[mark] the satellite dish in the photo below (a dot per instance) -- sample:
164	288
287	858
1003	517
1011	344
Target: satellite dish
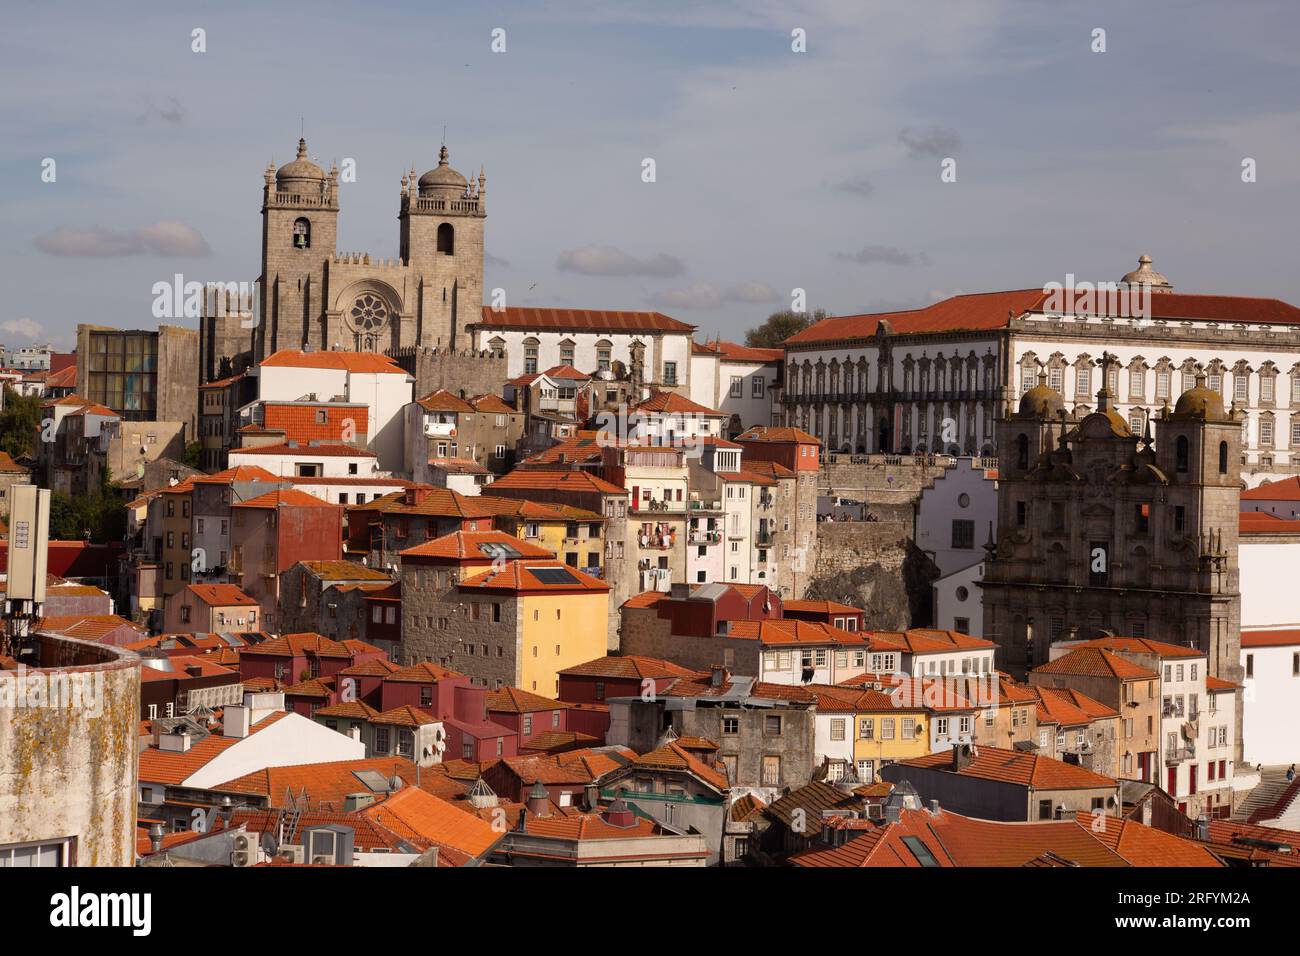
395	783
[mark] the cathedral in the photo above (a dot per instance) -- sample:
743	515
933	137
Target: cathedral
311	296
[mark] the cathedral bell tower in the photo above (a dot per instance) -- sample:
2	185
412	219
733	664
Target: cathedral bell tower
300	213
441	220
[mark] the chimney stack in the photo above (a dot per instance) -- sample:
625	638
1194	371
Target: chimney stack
717	675
539	801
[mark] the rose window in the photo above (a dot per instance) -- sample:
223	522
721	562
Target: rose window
369	312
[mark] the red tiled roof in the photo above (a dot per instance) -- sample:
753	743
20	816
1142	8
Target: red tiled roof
491	404
344	571
672	403
328	784
444	401
1095	662
515	317
1284	489
1142	645
1014	766
821	607
1279	637
790	631
414	811
174	767
732	352
321	449
1140	845
1066	707
1261	522
993	310
476	547
240	473
513	700
521	576
575	482
355	362
300	644
221	595
672	756
780	435
630	666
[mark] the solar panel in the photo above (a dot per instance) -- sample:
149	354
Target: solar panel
553	576
373	779
498	549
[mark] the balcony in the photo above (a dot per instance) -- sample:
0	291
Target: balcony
705	537
1179	754
763	538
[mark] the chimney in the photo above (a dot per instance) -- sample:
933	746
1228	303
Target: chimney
934	808
1203	828
961	757
155	838
619	814
194	670
234	721
591	796
539	801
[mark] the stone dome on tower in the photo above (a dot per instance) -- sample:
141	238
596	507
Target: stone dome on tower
1042	401
300	174
442	177
1145	275
1201	402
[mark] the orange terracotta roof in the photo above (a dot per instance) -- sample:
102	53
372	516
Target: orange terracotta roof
515	317
672	756
412	810
328	784
513	700
444	401
87	627
1283	489
442	502
631	667
822	607
285	498
1140	845
422	673
1142	645
240	473
1066	707
477	546
321	450
491	404
993	310
733	352
1095	662
300	644
1261	522
1014	766
175	767
355	362
674	404
790	631
779	435
576	482
221	595
540	576
405	716
1279	637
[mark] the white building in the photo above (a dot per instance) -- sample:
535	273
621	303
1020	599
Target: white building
957	514
362	377
1268	549
737	380
1280	498
957	604
1271	708
589	340
312	460
936	378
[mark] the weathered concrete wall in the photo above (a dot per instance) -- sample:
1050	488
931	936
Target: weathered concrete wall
878	479
70	771
876	566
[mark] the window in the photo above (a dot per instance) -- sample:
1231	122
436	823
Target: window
737	386
1162	385
887	728
963	533
758	386
1223	457
771	770
301	234
670	373
772	726
730	725
1182	454
1240	388
1266	388
1266	431
49	854
837	728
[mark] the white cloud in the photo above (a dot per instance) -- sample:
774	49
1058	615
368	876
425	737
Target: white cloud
609	261
27	328
167	237
701	295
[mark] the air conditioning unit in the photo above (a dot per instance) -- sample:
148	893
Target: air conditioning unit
245	850
294	853
322	859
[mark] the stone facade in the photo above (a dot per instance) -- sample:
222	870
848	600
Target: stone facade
1100	530
312	296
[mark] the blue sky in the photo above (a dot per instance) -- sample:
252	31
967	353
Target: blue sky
775	169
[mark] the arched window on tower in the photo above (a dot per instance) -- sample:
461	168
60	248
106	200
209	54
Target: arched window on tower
1223	457
301	234
446	239
1181	454
1022	452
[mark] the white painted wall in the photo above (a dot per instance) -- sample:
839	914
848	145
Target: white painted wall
962	493
1271	705
289	742
950	605
1268	582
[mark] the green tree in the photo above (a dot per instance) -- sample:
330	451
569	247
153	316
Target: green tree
194	453
20	423
780	326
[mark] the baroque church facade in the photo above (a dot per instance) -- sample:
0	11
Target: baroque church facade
1105	531
312	296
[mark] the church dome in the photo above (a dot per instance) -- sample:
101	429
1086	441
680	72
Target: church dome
301	174
442	176
1145	275
1200	402
1042	401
